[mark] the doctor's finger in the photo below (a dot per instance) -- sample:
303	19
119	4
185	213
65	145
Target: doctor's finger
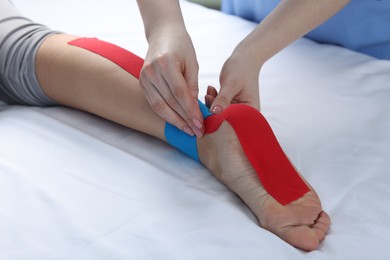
184	96
163	109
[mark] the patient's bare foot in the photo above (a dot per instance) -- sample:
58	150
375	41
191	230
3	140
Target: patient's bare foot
302	223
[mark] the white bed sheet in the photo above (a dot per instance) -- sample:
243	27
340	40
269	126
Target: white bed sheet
74	186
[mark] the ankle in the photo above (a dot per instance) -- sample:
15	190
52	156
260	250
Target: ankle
207	152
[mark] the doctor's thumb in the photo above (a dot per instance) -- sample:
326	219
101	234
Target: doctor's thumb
221	101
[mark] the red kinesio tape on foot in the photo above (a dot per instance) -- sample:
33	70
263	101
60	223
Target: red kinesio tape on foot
123	58
257	139
263	151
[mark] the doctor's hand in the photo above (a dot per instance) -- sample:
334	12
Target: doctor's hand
239	81
169	79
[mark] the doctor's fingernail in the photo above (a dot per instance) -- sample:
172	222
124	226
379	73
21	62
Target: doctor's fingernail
197	123
216	110
188	131
198	133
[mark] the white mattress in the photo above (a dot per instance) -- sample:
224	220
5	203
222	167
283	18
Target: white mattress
75	186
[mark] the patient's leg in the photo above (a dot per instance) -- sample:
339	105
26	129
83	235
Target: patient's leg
80	79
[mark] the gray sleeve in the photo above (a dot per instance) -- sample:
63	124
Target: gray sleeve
20	39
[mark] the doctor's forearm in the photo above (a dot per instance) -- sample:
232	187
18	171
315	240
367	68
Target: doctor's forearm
160	16
290	20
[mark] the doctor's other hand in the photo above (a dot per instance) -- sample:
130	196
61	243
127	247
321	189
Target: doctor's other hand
239	81
169	79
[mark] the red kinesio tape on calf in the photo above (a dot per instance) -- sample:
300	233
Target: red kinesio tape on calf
263	151
257	139
123	58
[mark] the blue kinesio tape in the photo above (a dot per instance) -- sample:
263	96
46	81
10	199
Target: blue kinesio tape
182	141
205	110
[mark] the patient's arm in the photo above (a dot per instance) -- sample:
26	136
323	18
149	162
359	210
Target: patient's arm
80	79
